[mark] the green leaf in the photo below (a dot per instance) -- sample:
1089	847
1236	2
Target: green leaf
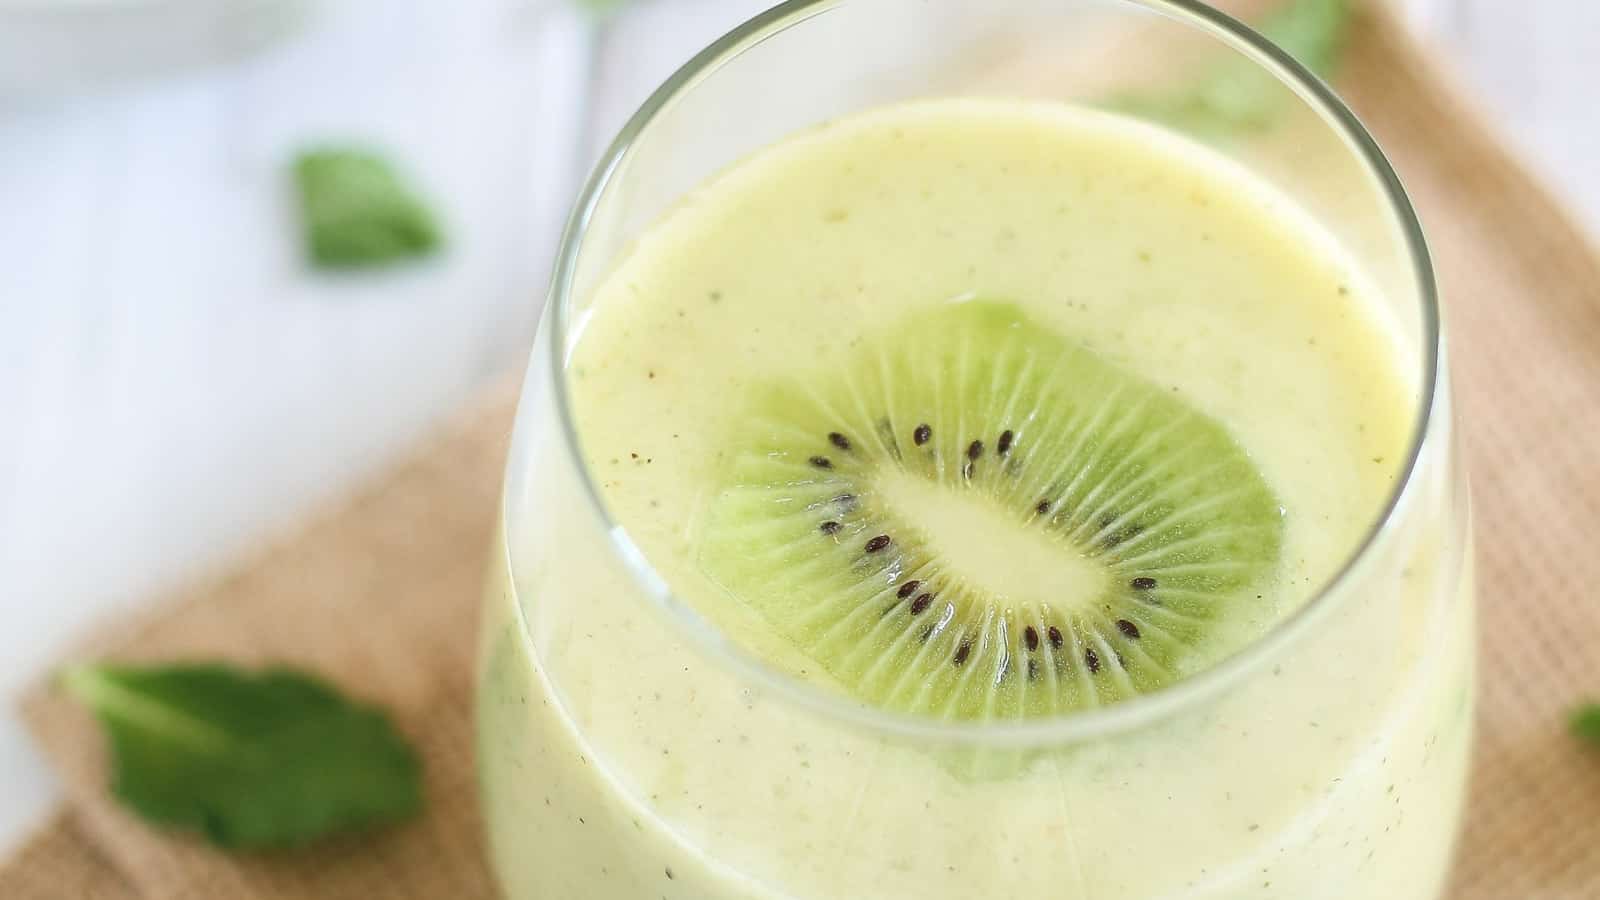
1311	31
357	212
1585	723
1236	95
250	760
602	6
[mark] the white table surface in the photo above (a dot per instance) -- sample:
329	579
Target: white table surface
174	385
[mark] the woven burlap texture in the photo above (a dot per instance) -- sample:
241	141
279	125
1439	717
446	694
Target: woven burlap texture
61	861
381	595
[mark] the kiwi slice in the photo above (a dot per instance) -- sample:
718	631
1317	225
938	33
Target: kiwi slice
971	516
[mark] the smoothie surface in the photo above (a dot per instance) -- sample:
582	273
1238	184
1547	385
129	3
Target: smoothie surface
1158	256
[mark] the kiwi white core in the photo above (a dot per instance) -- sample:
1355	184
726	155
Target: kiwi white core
983	544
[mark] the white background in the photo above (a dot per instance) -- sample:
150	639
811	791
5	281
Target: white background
173	384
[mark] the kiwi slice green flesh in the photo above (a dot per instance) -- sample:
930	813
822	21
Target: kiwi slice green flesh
971	516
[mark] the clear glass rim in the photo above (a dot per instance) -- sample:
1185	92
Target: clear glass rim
1071	728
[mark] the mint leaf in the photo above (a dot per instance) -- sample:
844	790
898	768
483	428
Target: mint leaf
1585	723
357	212
249	760
1236	95
1311	31
601	6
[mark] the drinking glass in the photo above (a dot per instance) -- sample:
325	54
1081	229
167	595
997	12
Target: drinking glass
628	750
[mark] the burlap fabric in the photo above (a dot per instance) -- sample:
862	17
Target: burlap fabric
381	593
61	861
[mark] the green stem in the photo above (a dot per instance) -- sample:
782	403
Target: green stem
92	686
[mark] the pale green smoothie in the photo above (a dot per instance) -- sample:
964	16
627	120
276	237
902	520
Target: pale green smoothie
623	758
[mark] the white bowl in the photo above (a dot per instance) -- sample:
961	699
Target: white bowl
56	46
